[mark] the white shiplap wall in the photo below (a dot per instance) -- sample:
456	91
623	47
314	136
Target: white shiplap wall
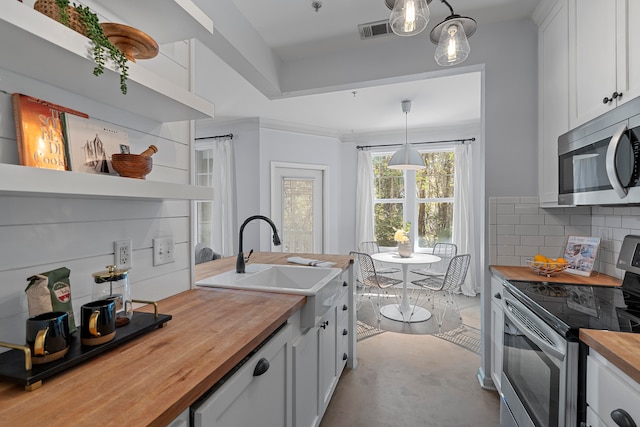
41	234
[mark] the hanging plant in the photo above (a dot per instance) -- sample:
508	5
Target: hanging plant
102	47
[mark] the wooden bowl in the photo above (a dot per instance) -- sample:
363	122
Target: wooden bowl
132	165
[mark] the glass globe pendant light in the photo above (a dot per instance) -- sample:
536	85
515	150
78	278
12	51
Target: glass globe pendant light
406	158
451	36
409	17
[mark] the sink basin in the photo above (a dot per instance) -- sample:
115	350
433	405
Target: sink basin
320	285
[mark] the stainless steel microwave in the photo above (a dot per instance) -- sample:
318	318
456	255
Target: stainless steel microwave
599	162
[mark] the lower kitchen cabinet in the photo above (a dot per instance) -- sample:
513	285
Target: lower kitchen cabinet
497	331
305	382
257	394
610	394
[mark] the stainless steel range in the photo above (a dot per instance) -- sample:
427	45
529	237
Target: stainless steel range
544	363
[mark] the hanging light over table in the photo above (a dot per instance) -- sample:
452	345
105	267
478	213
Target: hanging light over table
406	158
451	37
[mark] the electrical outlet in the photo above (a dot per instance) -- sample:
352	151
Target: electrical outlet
163	250
122	254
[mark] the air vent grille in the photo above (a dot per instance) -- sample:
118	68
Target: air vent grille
374	29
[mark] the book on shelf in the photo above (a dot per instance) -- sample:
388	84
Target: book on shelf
39	132
91	143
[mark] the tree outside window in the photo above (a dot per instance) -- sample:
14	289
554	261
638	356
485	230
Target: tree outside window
430	210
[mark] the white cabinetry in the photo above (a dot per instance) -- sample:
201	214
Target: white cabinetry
610	393
497	329
553	100
605	70
257	394
319	356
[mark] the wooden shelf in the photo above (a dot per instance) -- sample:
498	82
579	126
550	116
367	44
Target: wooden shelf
16	180
40	48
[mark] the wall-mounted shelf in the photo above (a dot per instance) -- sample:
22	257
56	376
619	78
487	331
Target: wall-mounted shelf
171	20
40	48
16	180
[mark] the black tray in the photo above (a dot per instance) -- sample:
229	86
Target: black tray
12	363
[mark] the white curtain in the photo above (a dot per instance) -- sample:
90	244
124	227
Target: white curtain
364	198
223	227
463	229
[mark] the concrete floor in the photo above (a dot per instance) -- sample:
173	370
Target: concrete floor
414	379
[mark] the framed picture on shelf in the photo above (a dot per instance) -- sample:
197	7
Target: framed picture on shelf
580	254
91	143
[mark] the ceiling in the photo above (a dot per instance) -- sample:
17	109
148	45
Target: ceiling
287	33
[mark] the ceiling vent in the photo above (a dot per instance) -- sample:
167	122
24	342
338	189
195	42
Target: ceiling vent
374	29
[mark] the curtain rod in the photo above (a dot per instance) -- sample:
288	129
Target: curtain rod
229	135
462	141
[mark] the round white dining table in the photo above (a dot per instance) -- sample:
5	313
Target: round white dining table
402	312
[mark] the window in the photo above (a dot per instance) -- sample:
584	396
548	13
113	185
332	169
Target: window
204	210
424	198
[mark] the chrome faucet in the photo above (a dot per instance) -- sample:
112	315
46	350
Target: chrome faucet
240	262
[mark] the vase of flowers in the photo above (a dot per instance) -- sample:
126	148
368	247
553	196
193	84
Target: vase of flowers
405	246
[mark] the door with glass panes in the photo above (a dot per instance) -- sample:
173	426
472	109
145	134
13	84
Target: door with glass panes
297	206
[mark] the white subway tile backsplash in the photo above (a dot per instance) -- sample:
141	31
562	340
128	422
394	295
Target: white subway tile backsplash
528	251
506	229
506	250
530	200
598	220
580	220
577	230
505	209
532	219
527	230
579	210
528	209
532	240
552	230
559	241
622	211
555	219
508	240
613	221
508	219
509	260
630	222
493	212
508	200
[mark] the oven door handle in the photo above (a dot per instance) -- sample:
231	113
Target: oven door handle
612	173
551	349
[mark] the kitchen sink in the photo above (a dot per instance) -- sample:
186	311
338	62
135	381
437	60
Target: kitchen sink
320	285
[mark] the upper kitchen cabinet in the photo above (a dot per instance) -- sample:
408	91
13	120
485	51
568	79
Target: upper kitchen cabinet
604	54
45	50
553	97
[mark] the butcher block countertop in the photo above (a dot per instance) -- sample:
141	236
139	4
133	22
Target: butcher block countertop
620	348
525	273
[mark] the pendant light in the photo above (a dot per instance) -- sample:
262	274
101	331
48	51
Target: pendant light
406	158
451	37
408	17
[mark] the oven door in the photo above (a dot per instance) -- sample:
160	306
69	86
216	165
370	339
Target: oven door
534	368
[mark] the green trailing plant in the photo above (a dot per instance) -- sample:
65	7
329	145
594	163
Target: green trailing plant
101	44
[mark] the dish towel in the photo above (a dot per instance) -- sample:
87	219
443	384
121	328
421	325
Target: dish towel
311	262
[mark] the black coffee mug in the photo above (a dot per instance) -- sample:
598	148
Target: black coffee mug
98	322
48	336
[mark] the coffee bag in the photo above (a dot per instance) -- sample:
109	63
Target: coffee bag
51	291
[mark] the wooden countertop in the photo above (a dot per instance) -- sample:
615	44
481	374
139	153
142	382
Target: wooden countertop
620	348
525	273
212	268
152	379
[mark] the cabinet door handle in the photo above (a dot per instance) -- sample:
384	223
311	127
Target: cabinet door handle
622	418
344	356
345	332
614	95
324	324
345	308
345	284
261	367
497	295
